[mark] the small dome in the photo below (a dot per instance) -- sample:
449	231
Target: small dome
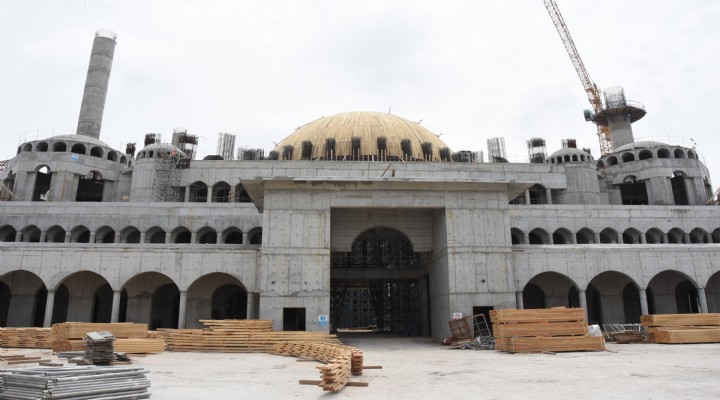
640	145
75	138
569	151
362	136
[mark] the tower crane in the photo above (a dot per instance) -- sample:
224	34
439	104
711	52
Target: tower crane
590	87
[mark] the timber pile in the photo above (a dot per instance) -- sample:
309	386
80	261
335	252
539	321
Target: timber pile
682	328
132	346
32	338
543	330
340	361
87	382
234	337
78	330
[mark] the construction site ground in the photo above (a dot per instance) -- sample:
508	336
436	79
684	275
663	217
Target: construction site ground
418	368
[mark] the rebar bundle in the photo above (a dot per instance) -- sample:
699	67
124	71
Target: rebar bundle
74	383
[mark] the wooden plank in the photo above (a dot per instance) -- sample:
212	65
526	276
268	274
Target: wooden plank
551	344
707	319
687	336
512	315
540	329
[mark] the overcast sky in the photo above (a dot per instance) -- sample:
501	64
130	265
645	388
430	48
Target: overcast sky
470	70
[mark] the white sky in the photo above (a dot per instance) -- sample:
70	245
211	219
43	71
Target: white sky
470	70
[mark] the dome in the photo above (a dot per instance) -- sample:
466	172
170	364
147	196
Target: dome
363	136
75	138
568	151
640	145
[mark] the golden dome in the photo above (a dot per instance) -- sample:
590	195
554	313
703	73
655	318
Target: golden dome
363	136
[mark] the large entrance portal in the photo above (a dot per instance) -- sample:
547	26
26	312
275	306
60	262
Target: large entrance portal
377	286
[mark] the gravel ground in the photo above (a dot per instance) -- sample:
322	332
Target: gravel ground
417	368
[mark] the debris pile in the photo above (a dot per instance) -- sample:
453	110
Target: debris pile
86	382
543	330
682	328
99	348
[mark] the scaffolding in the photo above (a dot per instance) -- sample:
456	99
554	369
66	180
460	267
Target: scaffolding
167	181
5	193
537	153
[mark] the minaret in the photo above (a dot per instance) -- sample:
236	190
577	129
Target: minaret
96	84
618	114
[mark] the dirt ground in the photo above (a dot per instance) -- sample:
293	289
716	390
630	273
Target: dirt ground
417	368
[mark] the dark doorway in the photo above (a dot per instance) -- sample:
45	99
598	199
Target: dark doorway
122	315
533	297
5	295
294	319
634	193
631	304
229	302
679	190
165	307
90	187
42	184
686	297
594	310
102	304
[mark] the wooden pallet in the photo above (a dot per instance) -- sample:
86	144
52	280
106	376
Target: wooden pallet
550	344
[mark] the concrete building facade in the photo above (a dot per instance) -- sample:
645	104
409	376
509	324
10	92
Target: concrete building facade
364	218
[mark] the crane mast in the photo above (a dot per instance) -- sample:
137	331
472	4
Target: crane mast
591	89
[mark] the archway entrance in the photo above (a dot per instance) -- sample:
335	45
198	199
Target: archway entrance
550	289
672	292
377	286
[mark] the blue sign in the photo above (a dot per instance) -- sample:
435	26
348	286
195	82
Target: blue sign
322	320
74	157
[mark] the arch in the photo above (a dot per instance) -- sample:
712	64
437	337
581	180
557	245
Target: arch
59	147
712	293
229	301
217	296
608	235
181	234
691	154
612	160
55	234
41	147
151	154
5	297
60	307
676	235
698	235
105	234
141	155
538	194
165	307
594	305
517	236
679	153
241	195
88	301
147	303
616	303
232	235
255	236
627	157
112	156
90	187
27	147
102	304
80	234
207	235
7	233
631	236
130	234
600	165
645	154
663	153
30	234
198	192
716	235
124	161
96	152
26	309
673	292
221	193
78	148
562	236
679	188
556	289
155	235
539	236
43	180
585	236
654	236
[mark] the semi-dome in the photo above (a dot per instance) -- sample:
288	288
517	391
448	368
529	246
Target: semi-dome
362	136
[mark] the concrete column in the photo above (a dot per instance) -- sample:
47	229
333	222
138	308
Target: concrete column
18	236
218	239
708	238
526	237
643	302
686	237
93	235
182	309
573	238
142	237
527	197
253	306
168	237
68	237
209	195
703	300
117	238
245	238
49	305
193	237
115	315
519	300
620	238
43	236
187	193
548	194
583	303
597	238
643	238
665	238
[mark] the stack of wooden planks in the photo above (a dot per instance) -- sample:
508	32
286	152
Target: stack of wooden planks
682	328
243	336
33	338
543	330
130	337
340	361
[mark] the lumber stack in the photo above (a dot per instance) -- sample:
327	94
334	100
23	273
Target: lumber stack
131	346
78	330
543	330
32	338
682	328
341	361
241	336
